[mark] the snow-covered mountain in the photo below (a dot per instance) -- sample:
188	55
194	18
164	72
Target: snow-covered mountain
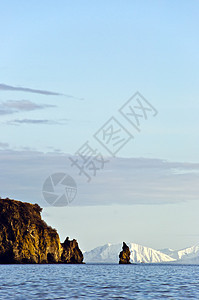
147	255
104	254
110	254
187	255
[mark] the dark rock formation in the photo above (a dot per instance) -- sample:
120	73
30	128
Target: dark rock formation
124	255
26	238
71	252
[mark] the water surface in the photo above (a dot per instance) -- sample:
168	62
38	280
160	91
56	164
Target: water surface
94	281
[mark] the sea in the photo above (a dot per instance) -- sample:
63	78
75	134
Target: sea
99	281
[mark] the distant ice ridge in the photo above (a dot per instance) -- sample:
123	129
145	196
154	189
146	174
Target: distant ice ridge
187	255
109	253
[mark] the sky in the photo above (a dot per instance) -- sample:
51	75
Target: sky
69	71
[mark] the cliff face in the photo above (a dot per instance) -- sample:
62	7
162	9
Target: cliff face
26	238
124	255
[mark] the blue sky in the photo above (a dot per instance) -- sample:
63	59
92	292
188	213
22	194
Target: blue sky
66	68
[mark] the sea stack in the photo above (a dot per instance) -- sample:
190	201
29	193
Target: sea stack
124	255
26	238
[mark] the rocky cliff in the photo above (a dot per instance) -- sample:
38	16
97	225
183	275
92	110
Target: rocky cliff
26	238
124	255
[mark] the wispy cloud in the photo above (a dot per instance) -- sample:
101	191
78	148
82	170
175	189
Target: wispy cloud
5	87
25	105
124	181
6	111
4	145
13	106
16	106
37	122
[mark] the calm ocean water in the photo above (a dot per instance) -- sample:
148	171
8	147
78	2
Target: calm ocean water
144	281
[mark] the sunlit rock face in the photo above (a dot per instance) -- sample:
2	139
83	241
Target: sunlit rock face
124	255
26	238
